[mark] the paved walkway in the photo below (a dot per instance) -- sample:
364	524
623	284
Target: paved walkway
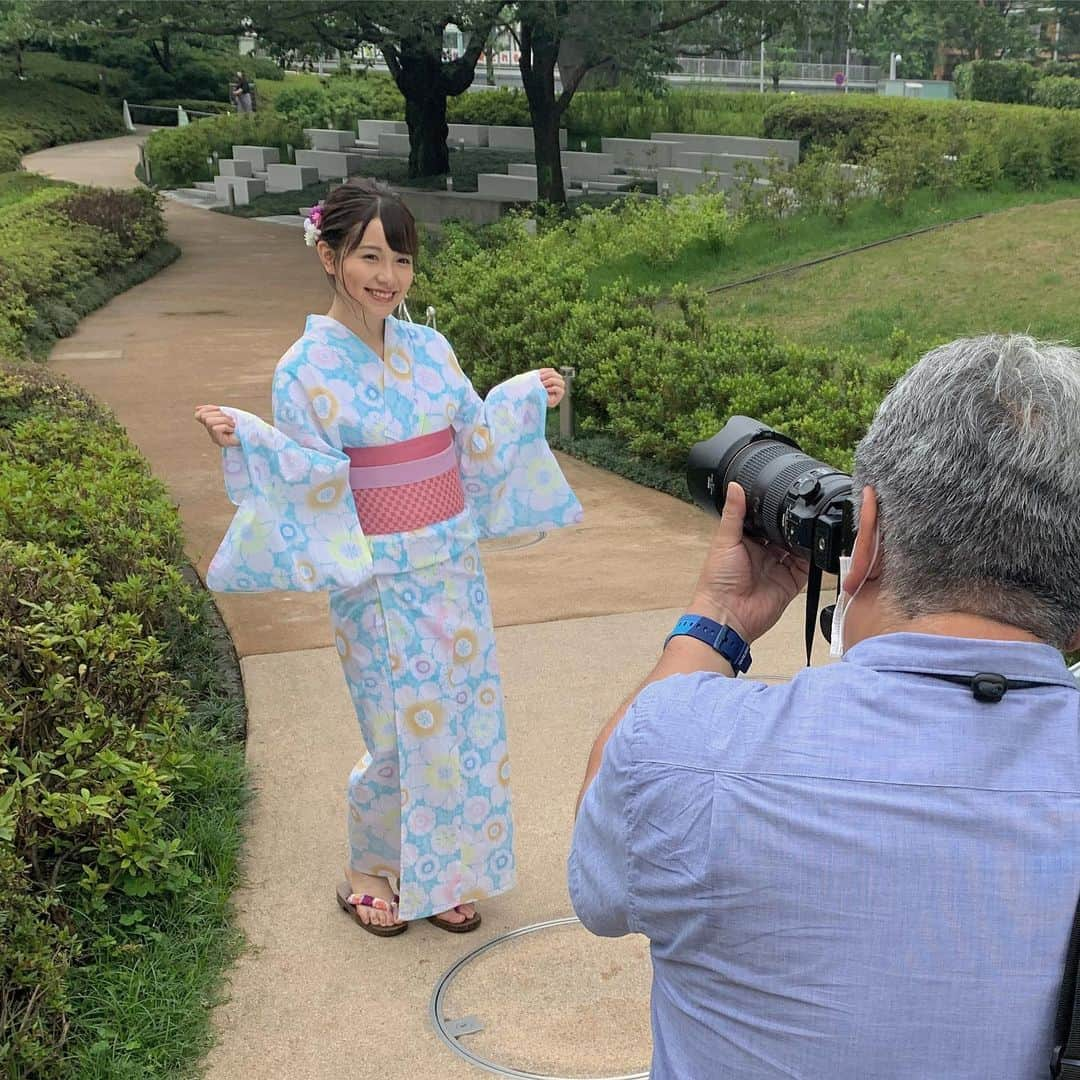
581	616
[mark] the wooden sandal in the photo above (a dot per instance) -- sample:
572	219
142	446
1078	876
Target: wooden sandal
456	927
349	901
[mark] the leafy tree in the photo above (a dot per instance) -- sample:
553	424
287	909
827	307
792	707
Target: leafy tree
410	37
160	25
20	26
634	39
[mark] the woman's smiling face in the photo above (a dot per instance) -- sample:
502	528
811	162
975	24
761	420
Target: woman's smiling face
372	274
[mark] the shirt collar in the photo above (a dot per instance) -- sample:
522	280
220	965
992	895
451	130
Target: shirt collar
938	655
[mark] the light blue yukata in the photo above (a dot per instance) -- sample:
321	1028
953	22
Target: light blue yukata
429	802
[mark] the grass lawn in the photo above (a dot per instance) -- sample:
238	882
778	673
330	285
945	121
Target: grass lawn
1014	271
759	247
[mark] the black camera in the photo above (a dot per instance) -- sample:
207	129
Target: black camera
792	500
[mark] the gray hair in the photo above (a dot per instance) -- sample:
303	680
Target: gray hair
975	458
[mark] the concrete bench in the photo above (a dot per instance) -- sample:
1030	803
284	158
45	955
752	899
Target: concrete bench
368	131
516	138
580	165
290	177
329	139
685	181
602	182
499	184
244	188
391	145
228	167
640	153
259	156
785	149
469	134
725	163
331	164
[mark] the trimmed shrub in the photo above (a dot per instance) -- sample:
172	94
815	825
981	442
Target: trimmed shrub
178	156
1057	93
35	114
55	241
502	107
1004	81
636	115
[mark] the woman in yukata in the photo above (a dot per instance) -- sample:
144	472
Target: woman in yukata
381	471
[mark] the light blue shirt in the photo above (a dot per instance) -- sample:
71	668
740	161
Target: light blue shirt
864	874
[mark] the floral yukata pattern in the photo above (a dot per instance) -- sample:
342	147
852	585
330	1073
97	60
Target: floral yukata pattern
429	802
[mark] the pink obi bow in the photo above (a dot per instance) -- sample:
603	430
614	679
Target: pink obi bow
406	485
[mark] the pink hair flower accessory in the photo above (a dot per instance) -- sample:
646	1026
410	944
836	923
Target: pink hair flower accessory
313	225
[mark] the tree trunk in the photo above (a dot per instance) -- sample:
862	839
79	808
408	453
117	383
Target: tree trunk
539	53
425	113
416	66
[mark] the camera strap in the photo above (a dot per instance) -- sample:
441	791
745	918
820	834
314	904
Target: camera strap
813	599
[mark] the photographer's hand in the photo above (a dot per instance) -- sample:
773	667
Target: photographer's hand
745	583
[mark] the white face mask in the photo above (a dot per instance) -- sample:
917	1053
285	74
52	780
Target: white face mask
844	601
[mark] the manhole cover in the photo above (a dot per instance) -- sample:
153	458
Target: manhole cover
550	1002
513	543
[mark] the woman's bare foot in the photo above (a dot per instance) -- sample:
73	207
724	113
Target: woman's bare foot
461	913
379	887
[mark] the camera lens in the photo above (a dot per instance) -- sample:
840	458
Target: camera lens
792	499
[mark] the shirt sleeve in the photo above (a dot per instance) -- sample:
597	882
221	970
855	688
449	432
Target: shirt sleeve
599	866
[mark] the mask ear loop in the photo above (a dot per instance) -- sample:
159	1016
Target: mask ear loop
843	601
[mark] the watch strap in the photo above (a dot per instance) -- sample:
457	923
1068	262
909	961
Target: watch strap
727	642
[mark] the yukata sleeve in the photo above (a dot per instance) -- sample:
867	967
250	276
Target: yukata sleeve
512	482
295	527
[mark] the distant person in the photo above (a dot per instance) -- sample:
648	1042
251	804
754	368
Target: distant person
241	94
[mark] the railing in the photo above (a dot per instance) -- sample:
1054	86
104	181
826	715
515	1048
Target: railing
182	115
750	70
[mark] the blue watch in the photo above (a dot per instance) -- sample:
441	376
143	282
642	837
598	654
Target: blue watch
727	642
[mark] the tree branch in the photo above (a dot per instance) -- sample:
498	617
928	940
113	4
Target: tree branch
674	24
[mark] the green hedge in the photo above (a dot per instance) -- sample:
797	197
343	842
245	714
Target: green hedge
1026	144
98	748
1057	92
1007	82
56	242
654	375
630	114
177	156
35	114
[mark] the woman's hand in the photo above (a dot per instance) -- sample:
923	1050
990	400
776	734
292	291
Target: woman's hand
219	425
554	384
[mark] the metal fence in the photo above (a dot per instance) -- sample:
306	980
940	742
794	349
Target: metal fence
750	70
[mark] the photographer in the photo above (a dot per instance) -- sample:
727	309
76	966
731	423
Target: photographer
872	871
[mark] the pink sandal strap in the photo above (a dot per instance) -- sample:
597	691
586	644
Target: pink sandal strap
376	902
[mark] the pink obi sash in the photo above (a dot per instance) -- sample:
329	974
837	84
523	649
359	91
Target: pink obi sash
406	485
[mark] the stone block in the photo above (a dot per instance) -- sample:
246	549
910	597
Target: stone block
516	138
244	188
785	149
684	181
579	165
331	164
509	187
469	134
329	139
259	156
640	153
368	131
229	167
290	177
392	145
725	163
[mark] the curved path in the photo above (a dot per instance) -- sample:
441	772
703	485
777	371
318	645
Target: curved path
581	617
